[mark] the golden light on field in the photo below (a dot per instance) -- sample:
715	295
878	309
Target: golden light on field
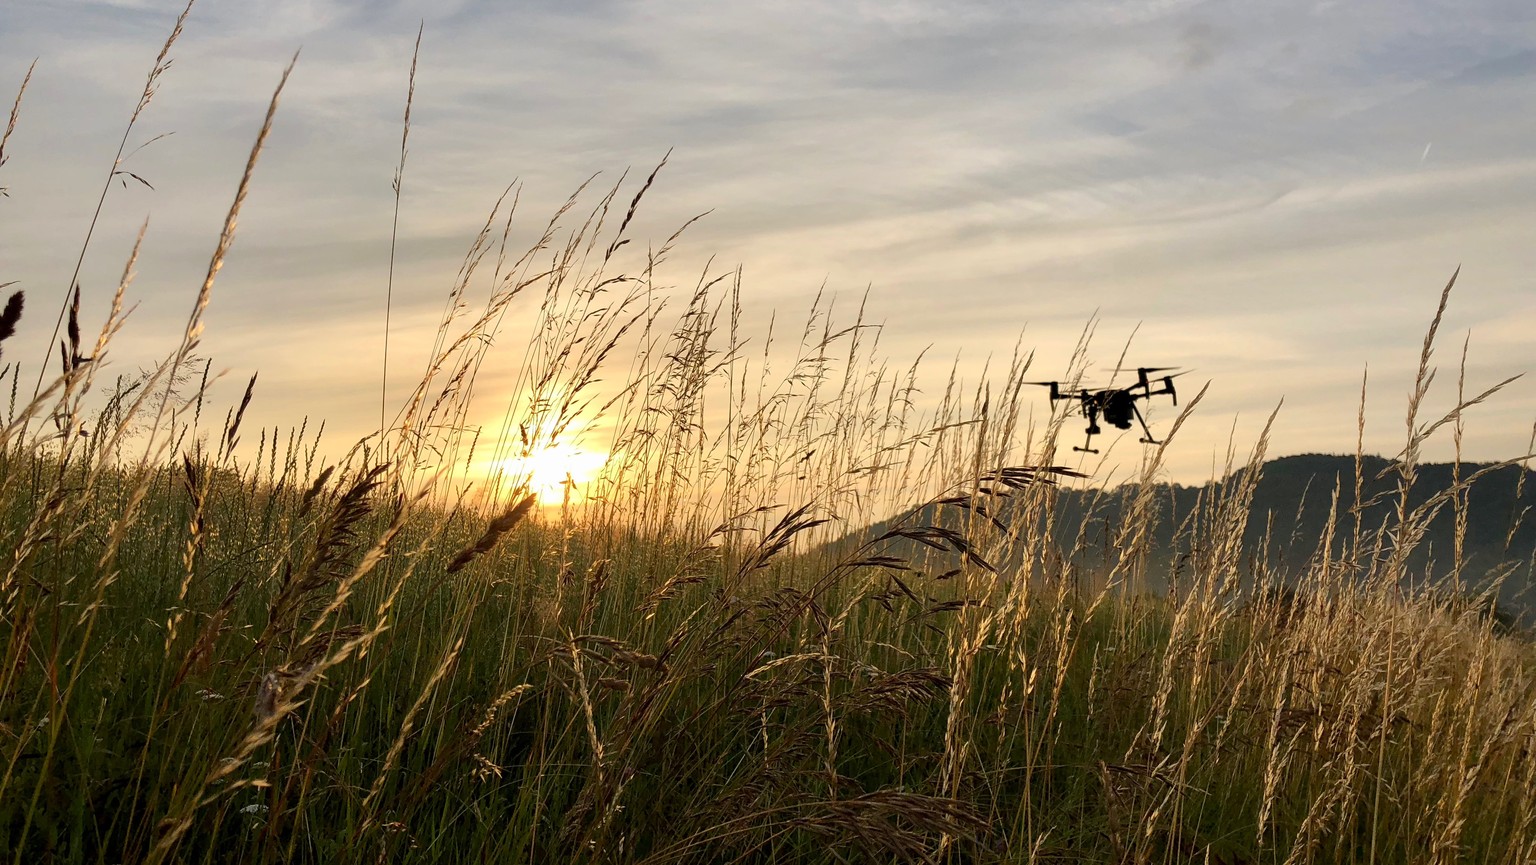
550	472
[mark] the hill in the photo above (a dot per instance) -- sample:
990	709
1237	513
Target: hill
1289	516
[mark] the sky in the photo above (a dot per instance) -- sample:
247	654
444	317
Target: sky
1272	194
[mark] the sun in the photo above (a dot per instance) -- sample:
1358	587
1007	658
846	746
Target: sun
551	472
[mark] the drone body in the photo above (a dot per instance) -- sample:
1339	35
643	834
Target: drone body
1117	406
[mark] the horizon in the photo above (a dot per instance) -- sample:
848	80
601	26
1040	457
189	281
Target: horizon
1272	197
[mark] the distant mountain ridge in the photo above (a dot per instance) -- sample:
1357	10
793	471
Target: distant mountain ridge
1300	488
1289	517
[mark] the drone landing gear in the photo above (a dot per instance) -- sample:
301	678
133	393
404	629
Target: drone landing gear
1093	429
1147	439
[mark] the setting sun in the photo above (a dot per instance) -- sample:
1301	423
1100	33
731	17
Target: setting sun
548	472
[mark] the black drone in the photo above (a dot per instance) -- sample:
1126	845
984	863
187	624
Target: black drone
1117	405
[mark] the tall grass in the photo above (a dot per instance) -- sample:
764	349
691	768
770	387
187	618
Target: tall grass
217	653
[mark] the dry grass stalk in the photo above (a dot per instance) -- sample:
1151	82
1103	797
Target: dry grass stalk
10	123
493	532
394	228
161	65
11	316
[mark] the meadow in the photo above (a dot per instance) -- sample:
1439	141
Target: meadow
233	645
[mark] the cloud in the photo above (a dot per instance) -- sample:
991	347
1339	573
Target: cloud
1199	44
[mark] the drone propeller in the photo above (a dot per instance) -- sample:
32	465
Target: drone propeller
1168	383
1055	387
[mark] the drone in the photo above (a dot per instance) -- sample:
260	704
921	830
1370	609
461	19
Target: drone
1117	405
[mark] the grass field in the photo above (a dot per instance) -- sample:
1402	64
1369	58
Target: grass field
226	645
